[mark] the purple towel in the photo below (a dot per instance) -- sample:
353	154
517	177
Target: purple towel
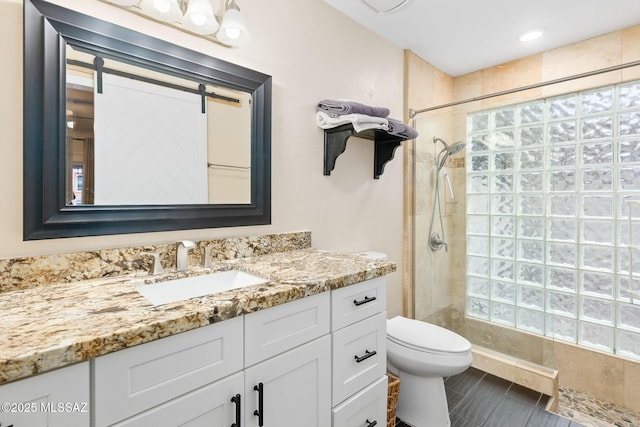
400	129
339	108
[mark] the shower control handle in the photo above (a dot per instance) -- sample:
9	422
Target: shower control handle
365	300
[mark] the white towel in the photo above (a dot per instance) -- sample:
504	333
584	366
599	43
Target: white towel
360	122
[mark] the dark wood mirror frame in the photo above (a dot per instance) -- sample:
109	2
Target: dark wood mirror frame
48	29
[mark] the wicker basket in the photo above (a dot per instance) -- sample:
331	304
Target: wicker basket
393	389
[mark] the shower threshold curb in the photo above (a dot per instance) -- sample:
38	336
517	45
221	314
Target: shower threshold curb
535	377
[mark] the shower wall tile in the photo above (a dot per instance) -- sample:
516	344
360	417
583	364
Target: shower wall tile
518	73
468	86
419	75
631	45
632	385
606	374
429	86
592	54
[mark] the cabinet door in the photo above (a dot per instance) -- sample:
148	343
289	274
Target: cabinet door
366	408
209	406
296	388
53	399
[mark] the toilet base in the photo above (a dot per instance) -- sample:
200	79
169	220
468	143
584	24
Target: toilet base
422	401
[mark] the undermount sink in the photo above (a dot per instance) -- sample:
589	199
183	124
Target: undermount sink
198	286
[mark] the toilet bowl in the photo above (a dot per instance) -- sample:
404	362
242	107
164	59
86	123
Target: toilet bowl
421	355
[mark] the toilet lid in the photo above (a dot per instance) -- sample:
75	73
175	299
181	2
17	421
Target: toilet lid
424	336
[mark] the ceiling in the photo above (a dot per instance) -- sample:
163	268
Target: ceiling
462	36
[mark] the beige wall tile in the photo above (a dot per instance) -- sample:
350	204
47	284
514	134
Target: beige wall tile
443	87
593	54
591	372
610	78
468	86
632	385
631	44
514	74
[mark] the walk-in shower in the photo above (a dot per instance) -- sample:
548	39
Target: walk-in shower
538	243
437	239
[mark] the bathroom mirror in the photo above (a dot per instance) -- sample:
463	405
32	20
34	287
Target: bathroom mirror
124	133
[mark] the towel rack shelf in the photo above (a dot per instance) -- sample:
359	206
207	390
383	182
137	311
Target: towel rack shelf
335	142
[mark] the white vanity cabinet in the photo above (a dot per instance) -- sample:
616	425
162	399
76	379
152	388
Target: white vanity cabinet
288	365
313	362
53	399
359	354
207	376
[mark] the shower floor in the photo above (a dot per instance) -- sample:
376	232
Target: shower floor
591	412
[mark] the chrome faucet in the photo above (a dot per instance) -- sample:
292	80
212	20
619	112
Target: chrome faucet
182	252
156	266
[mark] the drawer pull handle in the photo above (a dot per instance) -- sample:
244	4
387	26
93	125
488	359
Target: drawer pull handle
236	399
363	301
260	411
367	354
371	423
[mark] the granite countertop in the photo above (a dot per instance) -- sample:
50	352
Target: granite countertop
58	324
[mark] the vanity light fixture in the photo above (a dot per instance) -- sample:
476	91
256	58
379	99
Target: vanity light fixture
195	16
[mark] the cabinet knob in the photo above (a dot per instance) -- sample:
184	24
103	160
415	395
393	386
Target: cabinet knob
371	423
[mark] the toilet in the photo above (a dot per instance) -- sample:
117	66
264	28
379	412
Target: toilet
421	355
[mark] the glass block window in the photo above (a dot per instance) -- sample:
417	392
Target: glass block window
550	243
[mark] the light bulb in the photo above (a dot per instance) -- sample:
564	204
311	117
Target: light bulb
162	6
199	18
232	33
163	10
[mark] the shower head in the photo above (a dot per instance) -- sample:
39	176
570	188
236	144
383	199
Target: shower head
456	148
448	150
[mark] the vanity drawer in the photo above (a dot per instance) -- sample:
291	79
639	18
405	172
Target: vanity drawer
359	356
278	329
363	408
356	302
131	381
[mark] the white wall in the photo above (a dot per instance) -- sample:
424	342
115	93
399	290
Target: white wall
312	52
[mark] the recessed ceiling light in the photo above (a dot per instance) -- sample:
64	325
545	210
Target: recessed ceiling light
385	6
532	35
